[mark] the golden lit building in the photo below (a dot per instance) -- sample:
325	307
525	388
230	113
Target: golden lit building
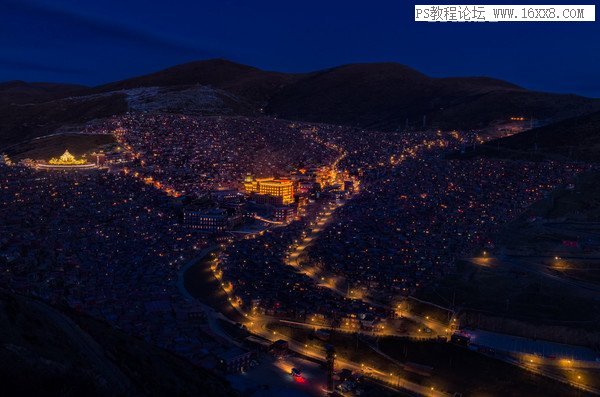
4	159
325	176
65	162
282	190
66	159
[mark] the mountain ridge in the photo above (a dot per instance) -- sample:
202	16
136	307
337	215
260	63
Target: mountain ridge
22	92
385	96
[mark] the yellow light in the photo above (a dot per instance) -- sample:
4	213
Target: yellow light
66	159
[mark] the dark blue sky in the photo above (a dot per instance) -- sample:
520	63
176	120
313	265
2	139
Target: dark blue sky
94	42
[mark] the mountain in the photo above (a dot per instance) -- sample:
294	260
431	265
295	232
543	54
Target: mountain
375	95
577	138
45	352
20	92
383	96
244	81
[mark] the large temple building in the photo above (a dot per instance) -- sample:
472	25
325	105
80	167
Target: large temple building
65	162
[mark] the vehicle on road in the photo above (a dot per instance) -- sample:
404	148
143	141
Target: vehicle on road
297	375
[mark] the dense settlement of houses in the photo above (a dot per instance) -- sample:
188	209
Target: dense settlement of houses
109	239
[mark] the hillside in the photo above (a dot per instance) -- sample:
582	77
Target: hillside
577	138
21	122
44	352
245	81
21	92
382	96
376	96
54	145
385	96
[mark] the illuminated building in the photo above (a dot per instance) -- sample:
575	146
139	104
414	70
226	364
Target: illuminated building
4	159
65	162
270	190
211	220
66	159
230	195
307	186
100	158
325	176
284	213
303	202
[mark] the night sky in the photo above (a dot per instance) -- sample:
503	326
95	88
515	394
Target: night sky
94	42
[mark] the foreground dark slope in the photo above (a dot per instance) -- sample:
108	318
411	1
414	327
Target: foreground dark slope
577	138
384	96
46	353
